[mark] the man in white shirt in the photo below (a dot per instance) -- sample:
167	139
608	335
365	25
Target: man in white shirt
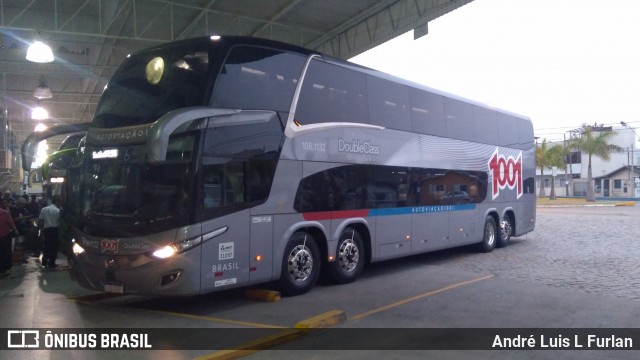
48	222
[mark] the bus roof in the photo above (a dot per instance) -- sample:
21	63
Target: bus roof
416	85
230	40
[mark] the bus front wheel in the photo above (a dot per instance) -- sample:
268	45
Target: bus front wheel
300	265
490	235
349	260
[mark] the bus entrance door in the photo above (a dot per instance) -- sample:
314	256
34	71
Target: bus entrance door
260	264
225	260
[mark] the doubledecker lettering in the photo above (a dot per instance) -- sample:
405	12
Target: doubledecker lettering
506	173
358	147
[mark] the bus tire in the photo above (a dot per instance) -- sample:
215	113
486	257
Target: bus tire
489	237
506	230
350	257
300	265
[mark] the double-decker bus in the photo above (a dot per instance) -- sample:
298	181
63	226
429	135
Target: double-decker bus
53	171
49	179
221	162
57	170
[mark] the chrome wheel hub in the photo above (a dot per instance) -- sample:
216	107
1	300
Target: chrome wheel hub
490	234
505	229
348	255
300	263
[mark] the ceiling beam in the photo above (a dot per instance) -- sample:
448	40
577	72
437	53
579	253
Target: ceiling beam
276	16
381	23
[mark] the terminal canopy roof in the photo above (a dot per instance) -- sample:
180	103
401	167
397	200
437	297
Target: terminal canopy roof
90	38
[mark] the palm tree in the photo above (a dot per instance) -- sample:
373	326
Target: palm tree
594	142
546	158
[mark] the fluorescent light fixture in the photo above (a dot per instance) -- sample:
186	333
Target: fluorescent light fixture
39	113
43	92
39	52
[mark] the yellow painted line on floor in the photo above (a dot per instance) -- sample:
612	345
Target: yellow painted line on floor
252	347
327	319
418	297
103	296
215	319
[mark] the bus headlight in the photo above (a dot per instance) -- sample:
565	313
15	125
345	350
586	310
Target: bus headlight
165	252
176	248
76	248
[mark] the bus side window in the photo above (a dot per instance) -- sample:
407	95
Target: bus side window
212	188
331	93
486	125
459	117
508	131
257	78
259	179
223	187
389	104
443	187
525	134
239	163
427	113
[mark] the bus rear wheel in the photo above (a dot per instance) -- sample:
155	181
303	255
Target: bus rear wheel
349	260
300	265
490	236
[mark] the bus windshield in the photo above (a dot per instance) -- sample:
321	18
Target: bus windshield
129	197
150	84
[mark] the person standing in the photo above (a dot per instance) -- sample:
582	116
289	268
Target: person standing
34	206
33	240
48	222
6	227
21	215
9	197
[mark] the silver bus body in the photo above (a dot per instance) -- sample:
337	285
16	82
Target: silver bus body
398	190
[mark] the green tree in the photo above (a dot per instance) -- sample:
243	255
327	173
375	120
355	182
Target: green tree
594	141
546	158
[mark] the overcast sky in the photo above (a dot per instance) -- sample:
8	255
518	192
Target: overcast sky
560	62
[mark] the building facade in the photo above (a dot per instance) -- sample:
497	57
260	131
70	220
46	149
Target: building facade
617	177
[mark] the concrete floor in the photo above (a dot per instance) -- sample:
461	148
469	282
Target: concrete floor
421	292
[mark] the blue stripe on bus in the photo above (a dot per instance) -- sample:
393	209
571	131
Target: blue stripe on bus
343	214
420	209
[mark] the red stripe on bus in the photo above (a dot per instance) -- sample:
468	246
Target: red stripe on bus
329	215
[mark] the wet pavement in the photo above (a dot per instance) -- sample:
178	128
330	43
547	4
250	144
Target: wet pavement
579	269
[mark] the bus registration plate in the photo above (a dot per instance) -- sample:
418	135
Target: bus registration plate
114	288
